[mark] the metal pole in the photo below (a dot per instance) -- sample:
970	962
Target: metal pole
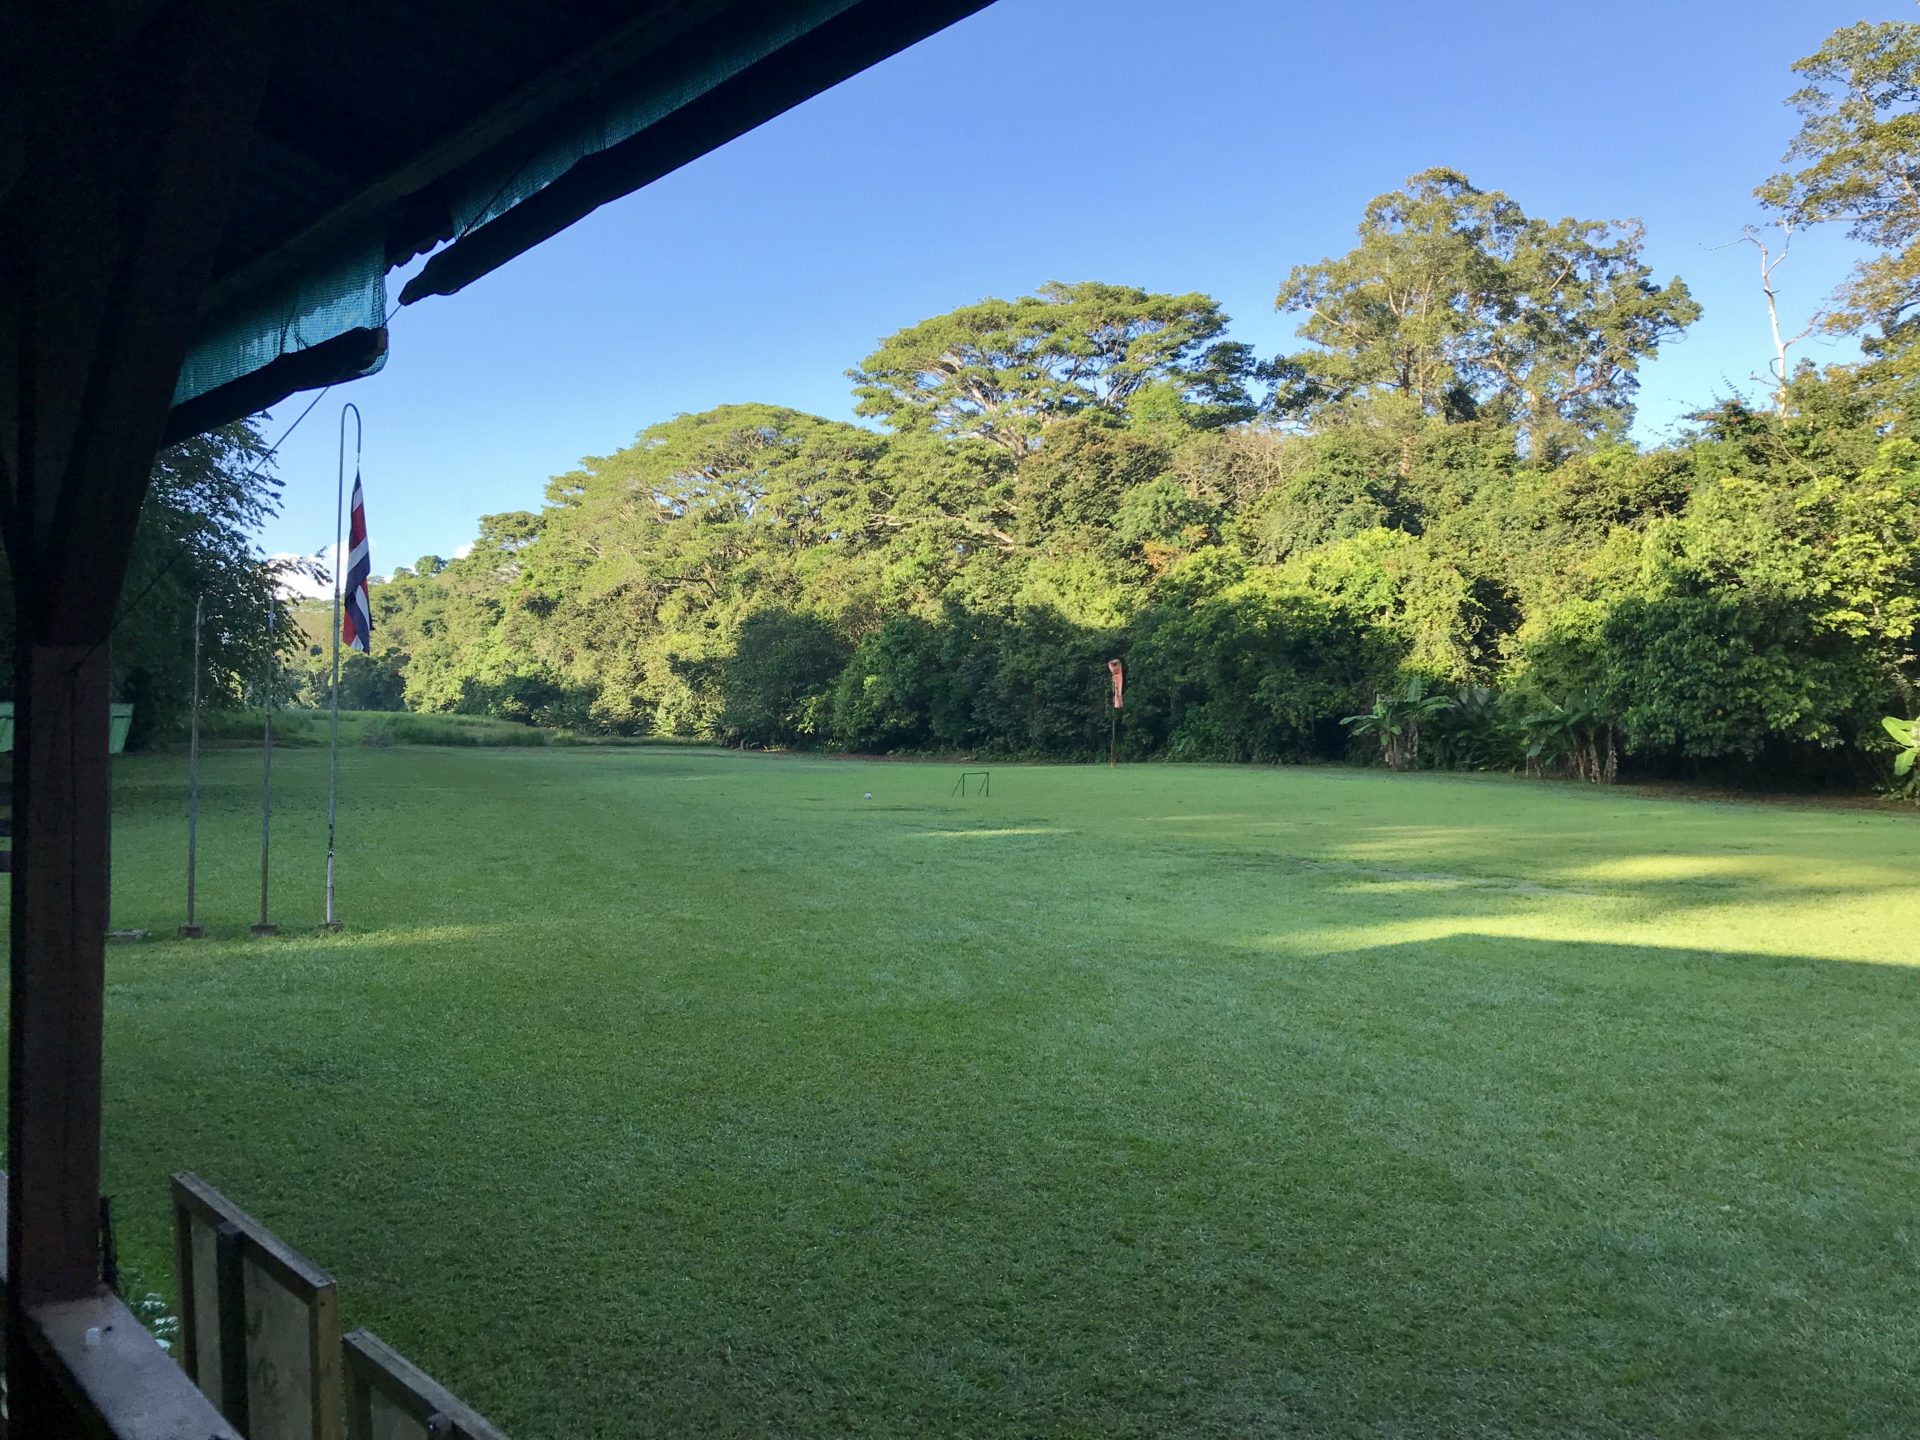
192	930
265	926
339	569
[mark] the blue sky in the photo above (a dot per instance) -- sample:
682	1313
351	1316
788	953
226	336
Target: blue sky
1205	145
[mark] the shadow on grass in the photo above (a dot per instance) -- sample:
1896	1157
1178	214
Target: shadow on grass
1291	1119
1478	1185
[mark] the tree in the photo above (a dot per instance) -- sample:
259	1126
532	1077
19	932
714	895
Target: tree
205	498
777	683
367	682
1076	480
1770	261
1396	720
958	582
1580	313
621	600
1457	304
1859	153
1003	370
1396	313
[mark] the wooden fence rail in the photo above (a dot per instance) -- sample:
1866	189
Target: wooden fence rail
259	1323
260	1335
120	1381
388	1398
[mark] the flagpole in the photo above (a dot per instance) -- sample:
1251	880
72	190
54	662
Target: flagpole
339	572
265	926
192	930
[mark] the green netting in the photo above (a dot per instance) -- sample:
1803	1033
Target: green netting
347	292
625	115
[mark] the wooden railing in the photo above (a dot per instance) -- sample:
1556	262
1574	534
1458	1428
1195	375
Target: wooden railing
384	1390
261	1354
260	1335
259	1323
115	1375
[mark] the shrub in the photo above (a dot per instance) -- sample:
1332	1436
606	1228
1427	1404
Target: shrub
1397	721
777	684
1709	676
293	729
1480	730
1254	672
883	699
462	730
1906	734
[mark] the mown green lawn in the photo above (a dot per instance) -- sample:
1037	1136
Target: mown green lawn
659	1092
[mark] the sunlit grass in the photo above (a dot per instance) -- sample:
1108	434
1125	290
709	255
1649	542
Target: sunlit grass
662	1093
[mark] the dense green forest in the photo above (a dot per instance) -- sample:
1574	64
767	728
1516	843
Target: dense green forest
1425	537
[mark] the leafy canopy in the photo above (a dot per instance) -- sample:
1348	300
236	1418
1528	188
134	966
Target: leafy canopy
1858	150
1004	370
1457	302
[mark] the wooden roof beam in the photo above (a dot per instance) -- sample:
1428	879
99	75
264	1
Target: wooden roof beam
621	50
865	33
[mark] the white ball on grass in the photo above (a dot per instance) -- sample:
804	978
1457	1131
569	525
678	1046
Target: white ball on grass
869	794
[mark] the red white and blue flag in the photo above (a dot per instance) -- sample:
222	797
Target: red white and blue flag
356	618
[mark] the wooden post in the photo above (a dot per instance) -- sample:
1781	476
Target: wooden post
59	926
193	930
115	198
1116	671
230	1285
264	926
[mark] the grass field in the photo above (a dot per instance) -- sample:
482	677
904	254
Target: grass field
661	1092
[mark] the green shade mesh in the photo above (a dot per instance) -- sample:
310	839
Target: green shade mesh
347	292
624	116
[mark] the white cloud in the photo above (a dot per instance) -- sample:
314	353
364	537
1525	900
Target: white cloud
297	586
294	585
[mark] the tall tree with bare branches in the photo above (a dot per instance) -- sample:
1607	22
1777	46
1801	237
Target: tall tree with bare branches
1858	153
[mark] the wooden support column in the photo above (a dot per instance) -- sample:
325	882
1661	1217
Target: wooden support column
59	925
59	922
113	194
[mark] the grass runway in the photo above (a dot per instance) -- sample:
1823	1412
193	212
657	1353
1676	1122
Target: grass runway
661	1092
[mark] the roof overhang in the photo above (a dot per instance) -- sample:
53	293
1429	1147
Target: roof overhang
470	131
